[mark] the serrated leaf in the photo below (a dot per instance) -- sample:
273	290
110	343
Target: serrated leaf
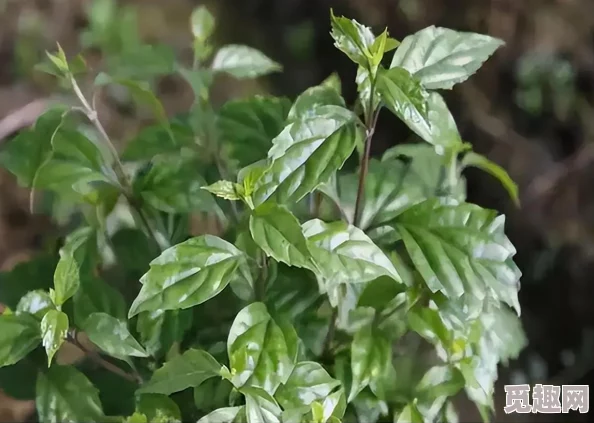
19	335
225	415
311	102
442	57
461	249
225	189
54	328
112	336
309	382
24	154
477	160
158	408
36	303
261	353
202	23
243	62
187	274
371	356
278	233
344	254
96	296
65	395
353	39
305	154
184	371
160	329
68	271
260	406
173	185
248	126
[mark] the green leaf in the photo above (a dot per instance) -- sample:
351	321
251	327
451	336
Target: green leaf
212	394
112	336
225	415
160	329
428	323
461	249
68	271
187	274
477	160
36	303
153	140
202	22
158	408
142	63
409	414
371	356
261	353
441	57
200	80
54	328
225	189
440	381
260	406
96	296
243	62
65	395
313	101
353	39
309	382
140	92
305	154
248	126
333	81
19	335
35	274
184	371
278	233
344	254
24	154
173	185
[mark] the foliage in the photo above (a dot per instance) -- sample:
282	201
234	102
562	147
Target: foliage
324	284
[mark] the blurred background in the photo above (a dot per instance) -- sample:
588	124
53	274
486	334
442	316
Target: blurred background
530	109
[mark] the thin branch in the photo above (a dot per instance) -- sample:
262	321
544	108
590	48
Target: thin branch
93	355
91	114
364	167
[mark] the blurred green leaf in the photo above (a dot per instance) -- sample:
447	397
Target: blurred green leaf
160	329
243	62
477	160
225	414
260	406
36	303
96	296
158	408
19	335
202	22
54	328
112	336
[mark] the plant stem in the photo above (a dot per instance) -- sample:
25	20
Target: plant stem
91	114
364	166
93	355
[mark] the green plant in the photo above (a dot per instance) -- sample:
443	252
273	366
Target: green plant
330	296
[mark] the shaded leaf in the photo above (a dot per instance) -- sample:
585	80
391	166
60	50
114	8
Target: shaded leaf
153	140
212	394
371	356
461	249
442	57
202	23
96	296
311	102
278	233
112	336
225	189
409	414
19	335
440	381
184	371
54	328
158	408
187	274
65	395
34	274
261	353
248	126
160	329
243	62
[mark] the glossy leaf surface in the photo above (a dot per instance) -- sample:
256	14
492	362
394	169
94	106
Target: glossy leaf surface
112	336
54	328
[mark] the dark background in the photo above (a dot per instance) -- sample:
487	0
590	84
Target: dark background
530	109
